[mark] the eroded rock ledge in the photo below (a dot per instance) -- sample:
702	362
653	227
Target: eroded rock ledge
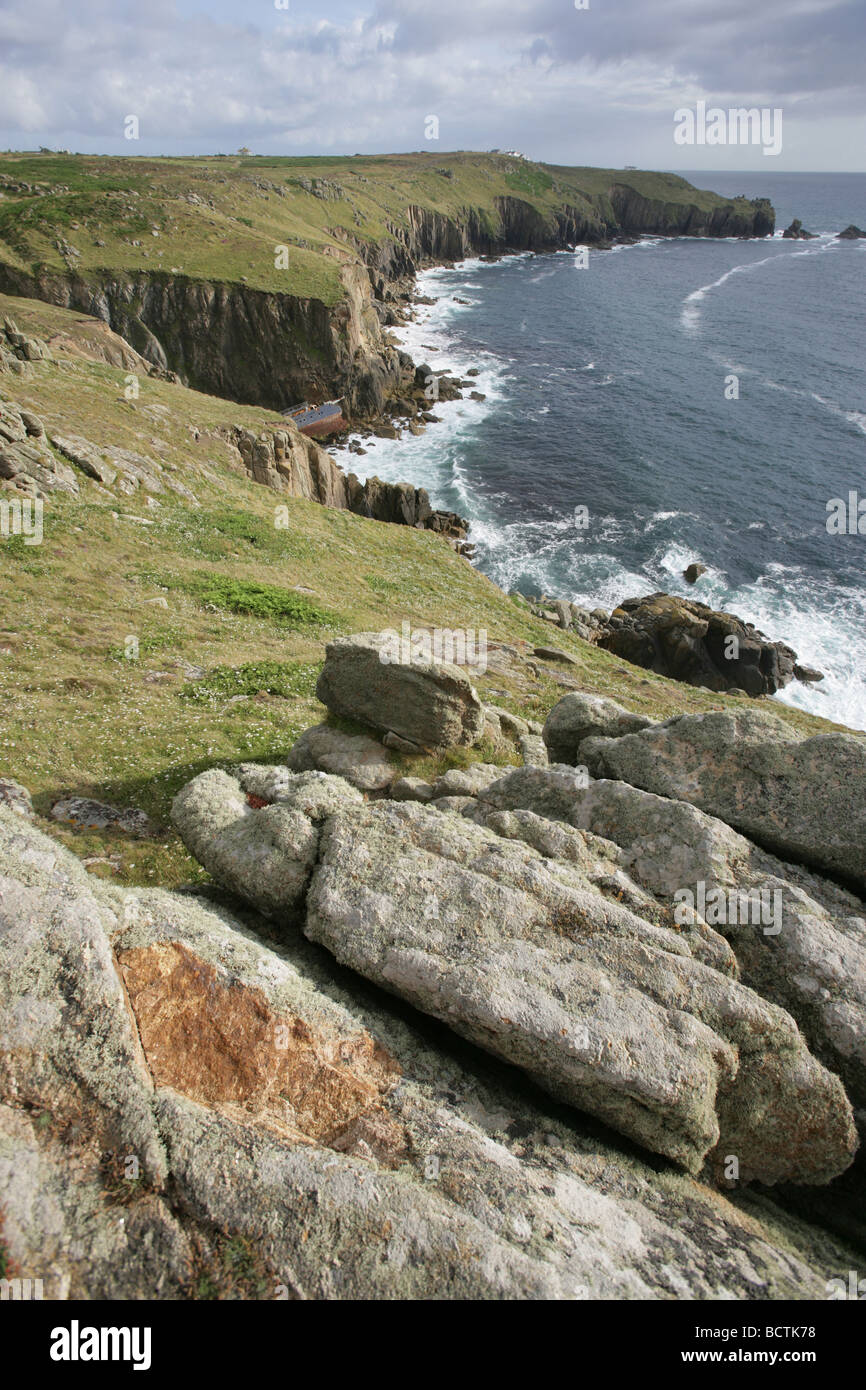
289	462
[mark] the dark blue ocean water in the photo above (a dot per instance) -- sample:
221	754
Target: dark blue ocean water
606	389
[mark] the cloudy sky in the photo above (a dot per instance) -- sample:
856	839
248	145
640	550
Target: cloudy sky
597	85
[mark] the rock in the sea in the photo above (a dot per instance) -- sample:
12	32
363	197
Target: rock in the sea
807	674
797	232
802	798
851	233
688	641
693	572
578	716
607	1011
432	704
363	761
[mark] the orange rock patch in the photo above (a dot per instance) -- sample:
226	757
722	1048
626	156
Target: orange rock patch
220	1043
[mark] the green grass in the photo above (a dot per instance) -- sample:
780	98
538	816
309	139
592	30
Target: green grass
256	599
531	179
247	206
28	559
283	678
229	1268
218	533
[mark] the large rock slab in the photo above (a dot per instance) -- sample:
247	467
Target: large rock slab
607	1011
75	1093
305	1126
799	940
65	1035
806	951
802	798
431	704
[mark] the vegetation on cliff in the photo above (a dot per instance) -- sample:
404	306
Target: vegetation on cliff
210	684
267	279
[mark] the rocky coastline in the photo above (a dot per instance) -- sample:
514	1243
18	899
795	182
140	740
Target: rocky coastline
683	640
269	348
339	968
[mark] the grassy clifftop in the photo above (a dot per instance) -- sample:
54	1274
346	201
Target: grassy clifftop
219	218
230	613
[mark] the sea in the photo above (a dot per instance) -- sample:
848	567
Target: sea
673	401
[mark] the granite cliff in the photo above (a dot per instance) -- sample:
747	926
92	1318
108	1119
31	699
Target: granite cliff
212	300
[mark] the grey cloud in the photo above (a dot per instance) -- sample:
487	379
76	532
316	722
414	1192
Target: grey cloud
598	84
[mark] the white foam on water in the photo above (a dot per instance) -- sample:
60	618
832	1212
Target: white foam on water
658	517
433	460
857	418
822	620
691	312
643	244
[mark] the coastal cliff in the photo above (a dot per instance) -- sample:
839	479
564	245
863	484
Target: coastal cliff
283	897
268	290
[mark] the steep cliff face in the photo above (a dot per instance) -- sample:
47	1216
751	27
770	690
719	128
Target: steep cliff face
634	215
233	341
263	347
513	225
286	461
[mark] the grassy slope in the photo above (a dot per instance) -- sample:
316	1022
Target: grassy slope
78	717
120	201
